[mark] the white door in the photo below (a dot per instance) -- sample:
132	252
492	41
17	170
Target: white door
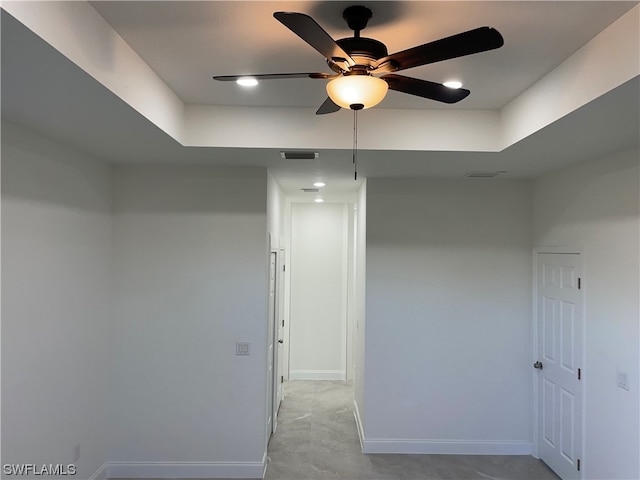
560	361
270	337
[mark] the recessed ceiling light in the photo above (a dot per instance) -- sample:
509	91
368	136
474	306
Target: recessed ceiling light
319	200
319	184
453	84
247	82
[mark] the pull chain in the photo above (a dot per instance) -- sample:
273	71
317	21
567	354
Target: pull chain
355	144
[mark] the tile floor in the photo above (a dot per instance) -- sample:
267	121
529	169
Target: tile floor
317	438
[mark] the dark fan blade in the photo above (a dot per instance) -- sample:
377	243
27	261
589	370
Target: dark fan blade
466	43
423	88
274	76
328	107
308	30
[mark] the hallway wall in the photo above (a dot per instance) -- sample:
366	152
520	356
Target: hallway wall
359	324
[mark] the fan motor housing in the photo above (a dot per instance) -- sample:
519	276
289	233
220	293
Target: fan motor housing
365	51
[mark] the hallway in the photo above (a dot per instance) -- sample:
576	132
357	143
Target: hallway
317	438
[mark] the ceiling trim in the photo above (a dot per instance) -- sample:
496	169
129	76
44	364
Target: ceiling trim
378	129
91	43
80	33
609	60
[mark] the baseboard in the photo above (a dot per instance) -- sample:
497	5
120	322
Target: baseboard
445	447
101	473
186	469
318	375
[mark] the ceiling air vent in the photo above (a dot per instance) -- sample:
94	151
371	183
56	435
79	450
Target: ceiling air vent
484	174
299	155
310	190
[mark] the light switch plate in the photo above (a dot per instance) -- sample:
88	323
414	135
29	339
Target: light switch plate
243	348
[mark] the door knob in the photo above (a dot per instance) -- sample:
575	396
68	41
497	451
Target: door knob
280	341
538	365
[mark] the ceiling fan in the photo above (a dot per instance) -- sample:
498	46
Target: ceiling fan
363	69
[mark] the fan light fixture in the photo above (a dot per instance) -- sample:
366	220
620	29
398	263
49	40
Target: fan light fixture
355	60
357	91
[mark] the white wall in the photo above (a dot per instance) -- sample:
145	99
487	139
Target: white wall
318	318
596	206
360	251
275	212
352	229
56	252
190	279
448	327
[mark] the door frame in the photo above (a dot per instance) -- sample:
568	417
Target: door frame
278	329
536	410
271	323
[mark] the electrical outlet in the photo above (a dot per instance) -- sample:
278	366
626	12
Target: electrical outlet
622	380
243	348
76	453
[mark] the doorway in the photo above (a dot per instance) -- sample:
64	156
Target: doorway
559	361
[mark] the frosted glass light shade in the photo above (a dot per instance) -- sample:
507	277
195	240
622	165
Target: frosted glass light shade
357	89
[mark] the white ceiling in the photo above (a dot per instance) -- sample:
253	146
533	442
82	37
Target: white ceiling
186	43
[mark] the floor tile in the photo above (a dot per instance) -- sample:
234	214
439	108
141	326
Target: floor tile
317	438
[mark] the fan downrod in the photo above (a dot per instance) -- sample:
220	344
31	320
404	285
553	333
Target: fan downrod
363	50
